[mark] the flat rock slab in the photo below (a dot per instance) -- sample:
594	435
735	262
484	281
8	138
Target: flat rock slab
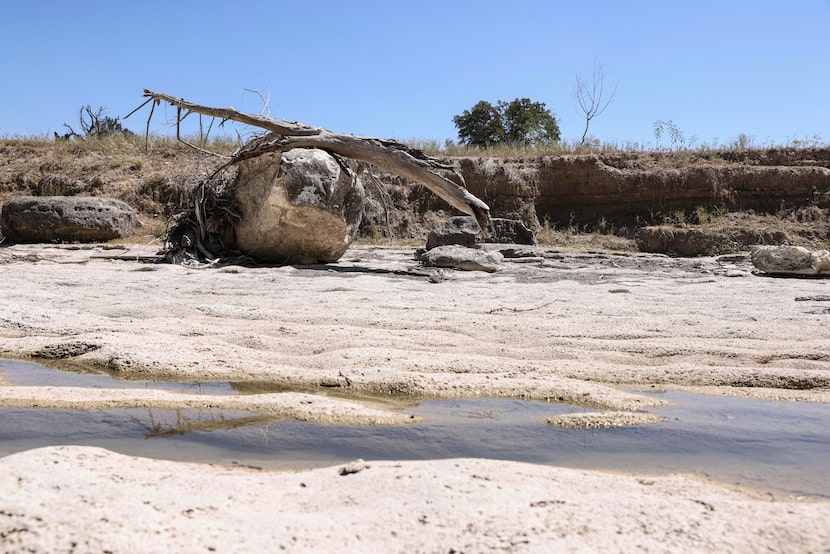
514	251
564	328
35	219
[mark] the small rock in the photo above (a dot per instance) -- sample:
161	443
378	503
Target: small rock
354	467
436	276
460	257
461	231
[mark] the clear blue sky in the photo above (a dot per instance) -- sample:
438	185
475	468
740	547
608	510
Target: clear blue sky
404	69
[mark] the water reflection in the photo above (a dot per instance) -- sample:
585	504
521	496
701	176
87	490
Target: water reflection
776	446
162	423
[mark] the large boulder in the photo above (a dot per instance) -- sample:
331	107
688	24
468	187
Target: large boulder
791	260
303	206
463	231
32	219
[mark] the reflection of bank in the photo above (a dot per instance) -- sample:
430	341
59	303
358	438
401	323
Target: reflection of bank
166	422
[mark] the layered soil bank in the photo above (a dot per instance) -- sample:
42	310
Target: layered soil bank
627	188
770	195
763	197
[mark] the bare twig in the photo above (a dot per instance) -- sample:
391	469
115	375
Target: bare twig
521	310
589	96
266	102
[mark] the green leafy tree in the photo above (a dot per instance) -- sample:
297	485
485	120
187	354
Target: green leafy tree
480	126
518	122
528	123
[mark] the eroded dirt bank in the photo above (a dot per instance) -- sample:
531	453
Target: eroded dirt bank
647	188
572	326
769	195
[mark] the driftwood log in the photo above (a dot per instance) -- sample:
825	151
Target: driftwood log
390	155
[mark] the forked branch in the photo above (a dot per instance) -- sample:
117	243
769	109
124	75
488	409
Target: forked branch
389	155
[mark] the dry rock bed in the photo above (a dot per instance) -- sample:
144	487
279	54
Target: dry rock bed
586	328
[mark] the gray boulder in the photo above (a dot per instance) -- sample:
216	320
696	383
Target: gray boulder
460	257
33	219
790	260
464	231
304	206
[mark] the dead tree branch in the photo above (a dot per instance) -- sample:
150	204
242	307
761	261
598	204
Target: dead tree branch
389	155
591	96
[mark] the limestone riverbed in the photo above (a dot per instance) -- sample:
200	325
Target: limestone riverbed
594	330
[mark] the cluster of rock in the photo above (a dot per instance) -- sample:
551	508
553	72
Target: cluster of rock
459	244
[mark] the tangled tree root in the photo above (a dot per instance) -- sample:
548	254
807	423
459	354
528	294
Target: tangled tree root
204	234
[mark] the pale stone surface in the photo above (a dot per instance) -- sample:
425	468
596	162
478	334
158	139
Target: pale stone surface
302	207
85	499
559	329
373	323
31	219
791	260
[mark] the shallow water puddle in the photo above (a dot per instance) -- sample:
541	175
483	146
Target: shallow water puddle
777	446
35	375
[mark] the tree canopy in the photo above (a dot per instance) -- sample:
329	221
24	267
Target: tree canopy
520	121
